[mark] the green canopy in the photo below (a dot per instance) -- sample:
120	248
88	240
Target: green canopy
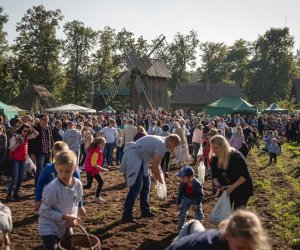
7	110
229	105
274	108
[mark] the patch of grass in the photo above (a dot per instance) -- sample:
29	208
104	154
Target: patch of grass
102	215
281	190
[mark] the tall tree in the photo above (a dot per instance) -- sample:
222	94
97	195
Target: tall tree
106	61
8	86
237	61
273	66
37	47
213	67
181	57
79	43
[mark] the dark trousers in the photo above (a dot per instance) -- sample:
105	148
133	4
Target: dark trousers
273	156
196	147
82	155
50	242
239	203
142	187
98	178
41	160
165	162
108	153
119	154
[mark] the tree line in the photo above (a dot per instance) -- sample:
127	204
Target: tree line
264	68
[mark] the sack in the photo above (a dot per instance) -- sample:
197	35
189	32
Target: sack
201	172
29	165
200	152
7	167
161	191
222	209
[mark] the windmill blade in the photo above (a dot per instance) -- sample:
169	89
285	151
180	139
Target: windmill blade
156	44
141	88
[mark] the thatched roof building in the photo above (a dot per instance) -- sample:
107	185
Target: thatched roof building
198	95
36	97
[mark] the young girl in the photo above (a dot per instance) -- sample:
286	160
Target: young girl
93	164
61	197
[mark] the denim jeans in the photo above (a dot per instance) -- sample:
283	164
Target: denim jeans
196	147
185	205
142	187
41	160
50	242
17	179
108	153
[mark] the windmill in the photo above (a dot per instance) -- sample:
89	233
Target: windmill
135	68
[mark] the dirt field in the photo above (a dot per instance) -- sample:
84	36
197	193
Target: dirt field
103	219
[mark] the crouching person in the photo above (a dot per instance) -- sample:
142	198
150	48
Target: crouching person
60	200
5	226
190	194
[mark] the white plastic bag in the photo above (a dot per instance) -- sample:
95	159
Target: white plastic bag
161	191
200	152
222	209
201	172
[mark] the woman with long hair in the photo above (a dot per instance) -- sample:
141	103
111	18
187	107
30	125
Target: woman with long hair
230	172
18	147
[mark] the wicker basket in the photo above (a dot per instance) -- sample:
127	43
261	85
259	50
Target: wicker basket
80	241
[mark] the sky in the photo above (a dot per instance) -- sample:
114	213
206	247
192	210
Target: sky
213	20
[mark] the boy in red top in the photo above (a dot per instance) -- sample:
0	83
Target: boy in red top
190	193
93	164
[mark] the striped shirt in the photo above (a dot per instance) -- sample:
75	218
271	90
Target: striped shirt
57	200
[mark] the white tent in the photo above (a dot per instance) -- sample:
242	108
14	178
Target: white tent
71	108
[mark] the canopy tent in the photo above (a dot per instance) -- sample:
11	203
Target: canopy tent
20	111
71	108
7	110
229	105
274	108
108	109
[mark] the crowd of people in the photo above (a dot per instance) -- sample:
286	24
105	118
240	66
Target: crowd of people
62	145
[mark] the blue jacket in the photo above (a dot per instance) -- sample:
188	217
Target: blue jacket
47	175
274	148
197	189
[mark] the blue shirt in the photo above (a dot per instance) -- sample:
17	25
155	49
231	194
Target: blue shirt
47	175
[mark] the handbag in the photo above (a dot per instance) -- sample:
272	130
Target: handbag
221	210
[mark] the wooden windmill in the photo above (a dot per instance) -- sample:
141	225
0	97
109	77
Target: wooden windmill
148	77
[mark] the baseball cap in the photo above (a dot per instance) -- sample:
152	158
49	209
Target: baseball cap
185	171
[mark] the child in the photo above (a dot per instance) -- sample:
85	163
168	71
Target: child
274	150
59	209
49	173
93	164
268	139
190	194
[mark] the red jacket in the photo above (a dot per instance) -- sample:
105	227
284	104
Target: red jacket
94	157
21	152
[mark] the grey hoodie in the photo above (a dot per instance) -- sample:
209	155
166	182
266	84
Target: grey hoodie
73	138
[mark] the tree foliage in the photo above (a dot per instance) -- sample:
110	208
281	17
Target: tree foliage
37	47
78	46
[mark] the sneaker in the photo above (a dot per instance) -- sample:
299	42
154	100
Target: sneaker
166	175
16	197
148	215
9	198
125	220
99	200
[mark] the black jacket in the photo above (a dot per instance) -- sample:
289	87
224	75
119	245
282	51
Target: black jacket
36	143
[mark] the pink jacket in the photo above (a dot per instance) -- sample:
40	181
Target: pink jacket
197	136
94	157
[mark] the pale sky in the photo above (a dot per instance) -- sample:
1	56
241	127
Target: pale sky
213	20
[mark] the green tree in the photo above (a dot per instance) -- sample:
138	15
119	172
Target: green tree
8	86
213	66
237	62
37	47
79	43
181	57
273	66
107	61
